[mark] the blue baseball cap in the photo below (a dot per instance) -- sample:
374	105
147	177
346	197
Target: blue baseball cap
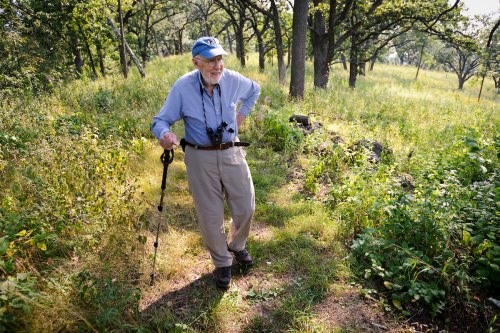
207	47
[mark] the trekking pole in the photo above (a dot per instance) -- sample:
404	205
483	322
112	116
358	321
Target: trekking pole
166	158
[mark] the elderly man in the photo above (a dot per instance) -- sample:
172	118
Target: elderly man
213	102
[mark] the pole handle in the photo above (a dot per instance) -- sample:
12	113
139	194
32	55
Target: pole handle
166	158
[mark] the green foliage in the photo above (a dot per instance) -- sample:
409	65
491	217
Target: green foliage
481	230
433	246
108	302
280	134
16	299
406	253
68	197
64	182
327	167
263	294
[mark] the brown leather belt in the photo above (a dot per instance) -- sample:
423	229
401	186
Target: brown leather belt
222	146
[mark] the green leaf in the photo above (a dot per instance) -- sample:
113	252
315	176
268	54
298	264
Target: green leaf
4	245
21	233
483	272
466	237
397	304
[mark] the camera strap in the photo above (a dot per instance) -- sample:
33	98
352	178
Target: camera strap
203	105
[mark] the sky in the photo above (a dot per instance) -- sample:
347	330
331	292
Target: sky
482	6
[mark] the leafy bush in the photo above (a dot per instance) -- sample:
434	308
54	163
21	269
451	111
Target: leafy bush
107	300
63	184
16	297
407	253
327	161
280	134
435	245
481	230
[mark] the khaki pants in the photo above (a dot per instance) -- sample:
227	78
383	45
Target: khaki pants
215	175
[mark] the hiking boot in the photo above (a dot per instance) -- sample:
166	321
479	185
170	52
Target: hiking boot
222	276
243	258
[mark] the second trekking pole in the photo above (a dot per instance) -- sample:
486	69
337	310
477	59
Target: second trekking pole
166	158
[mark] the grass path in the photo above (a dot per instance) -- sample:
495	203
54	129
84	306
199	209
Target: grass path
300	280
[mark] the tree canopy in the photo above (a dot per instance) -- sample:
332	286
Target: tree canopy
45	42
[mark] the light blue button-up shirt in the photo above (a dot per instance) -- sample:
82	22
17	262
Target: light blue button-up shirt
184	102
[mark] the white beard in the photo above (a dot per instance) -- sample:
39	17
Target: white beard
211	80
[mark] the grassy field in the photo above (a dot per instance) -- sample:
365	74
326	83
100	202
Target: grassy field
341	243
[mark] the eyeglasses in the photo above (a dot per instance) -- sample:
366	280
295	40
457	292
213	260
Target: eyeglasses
213	62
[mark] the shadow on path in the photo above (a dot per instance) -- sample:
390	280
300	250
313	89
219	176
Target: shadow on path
185	305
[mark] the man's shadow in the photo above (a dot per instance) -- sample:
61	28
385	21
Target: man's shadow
185	305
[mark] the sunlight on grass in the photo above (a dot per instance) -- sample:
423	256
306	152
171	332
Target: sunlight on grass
81	184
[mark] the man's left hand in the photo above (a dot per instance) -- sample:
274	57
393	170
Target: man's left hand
239	119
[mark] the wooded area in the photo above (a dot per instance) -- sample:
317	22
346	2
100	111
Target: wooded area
46	42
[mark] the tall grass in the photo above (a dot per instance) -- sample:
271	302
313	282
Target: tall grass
79	187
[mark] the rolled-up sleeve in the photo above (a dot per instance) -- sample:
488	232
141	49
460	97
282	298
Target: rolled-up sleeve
169	113
249	96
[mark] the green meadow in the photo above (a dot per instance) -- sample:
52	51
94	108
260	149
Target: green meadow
342	243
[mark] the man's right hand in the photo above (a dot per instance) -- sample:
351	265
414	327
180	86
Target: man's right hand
168	140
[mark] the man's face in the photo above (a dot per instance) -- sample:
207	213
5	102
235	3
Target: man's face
211	69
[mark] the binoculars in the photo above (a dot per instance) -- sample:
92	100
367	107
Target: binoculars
216	136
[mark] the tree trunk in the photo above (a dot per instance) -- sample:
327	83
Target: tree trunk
353	73
344	61
299	27
461	82
229	40
279	43
77	60
180	36
89	51
262	52
123	54
100	56
362	68
319	41
372	63
240	45
147	29
127	48
321	67
353	64
420	60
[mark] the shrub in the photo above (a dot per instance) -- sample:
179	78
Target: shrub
280	134
407	253
108	301
16	298
443	239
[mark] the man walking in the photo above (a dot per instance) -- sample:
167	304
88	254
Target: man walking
213	102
